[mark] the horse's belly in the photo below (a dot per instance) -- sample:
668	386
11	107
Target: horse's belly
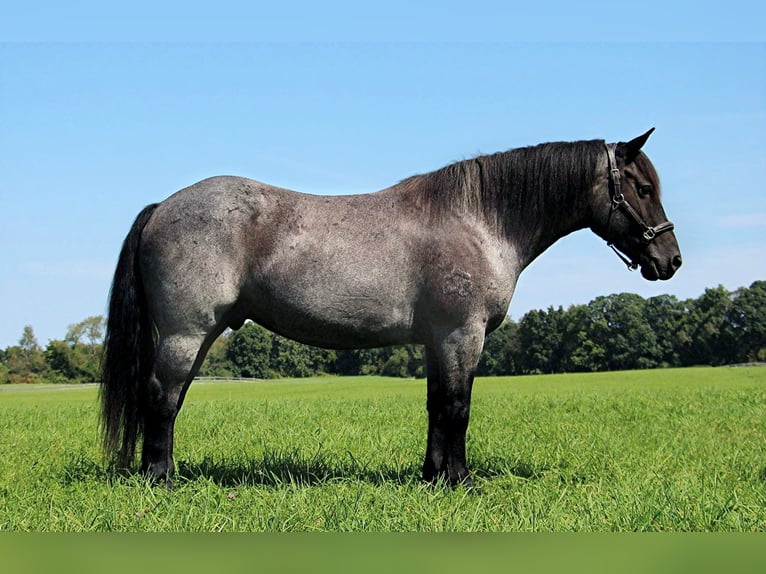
335	318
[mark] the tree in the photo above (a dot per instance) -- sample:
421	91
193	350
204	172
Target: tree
91	329
579	351
352	362
25	362
665	316
744	329
76	363
323	360
619	328
540	341
217	363
77	357
31	352
404	361
249	352
4	375
60	359
500	351
290	359
704	327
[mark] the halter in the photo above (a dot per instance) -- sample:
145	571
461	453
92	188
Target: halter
648	233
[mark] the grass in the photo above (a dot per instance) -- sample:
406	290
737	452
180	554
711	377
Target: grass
667	450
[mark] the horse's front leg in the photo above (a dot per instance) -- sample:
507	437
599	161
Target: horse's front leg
451	364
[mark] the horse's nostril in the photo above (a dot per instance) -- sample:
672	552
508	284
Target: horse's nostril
676	262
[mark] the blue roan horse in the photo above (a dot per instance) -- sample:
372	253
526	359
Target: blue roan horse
432	260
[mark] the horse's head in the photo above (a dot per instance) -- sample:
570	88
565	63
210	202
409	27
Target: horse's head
629	214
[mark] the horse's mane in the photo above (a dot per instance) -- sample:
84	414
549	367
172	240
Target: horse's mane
531	182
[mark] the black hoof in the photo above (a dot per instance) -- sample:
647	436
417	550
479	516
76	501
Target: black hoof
158	475
466	481
444	478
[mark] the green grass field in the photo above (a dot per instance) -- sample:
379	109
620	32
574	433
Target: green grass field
667	450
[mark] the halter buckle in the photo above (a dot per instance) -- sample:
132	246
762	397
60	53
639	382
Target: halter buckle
649	234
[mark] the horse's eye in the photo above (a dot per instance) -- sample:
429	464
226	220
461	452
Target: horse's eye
645	190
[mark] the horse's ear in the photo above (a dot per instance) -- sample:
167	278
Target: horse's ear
629	151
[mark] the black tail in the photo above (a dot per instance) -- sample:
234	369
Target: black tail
128	352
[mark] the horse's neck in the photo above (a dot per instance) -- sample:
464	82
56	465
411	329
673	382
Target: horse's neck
527	217
541	193
543	234
536	225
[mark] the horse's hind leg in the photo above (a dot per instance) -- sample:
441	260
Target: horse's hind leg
177	361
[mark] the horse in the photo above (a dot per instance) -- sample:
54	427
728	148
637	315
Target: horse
432	260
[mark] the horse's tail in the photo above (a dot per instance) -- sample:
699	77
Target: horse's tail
128	352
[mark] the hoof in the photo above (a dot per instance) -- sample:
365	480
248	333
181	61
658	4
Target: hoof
453	481
466	481
158	475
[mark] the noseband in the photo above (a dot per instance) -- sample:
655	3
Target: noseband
648	233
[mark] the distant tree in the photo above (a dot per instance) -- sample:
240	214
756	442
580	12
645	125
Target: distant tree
621	330
704	327
290	359
4	375
404	361
249	352
88	331
397	364
500	351
539	336
62	362
322	360
580	352
25	362
664	314
744	326
352	362
76	359
28	342
217	363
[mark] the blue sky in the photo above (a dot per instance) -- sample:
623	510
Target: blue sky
93	129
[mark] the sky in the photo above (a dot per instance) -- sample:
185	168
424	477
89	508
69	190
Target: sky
105	113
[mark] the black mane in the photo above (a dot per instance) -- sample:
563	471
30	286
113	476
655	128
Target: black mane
525	181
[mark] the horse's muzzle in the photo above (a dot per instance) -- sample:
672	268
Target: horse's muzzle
653	268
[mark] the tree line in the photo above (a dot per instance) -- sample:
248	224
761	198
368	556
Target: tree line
612	332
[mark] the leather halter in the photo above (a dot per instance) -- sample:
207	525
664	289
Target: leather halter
648	233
